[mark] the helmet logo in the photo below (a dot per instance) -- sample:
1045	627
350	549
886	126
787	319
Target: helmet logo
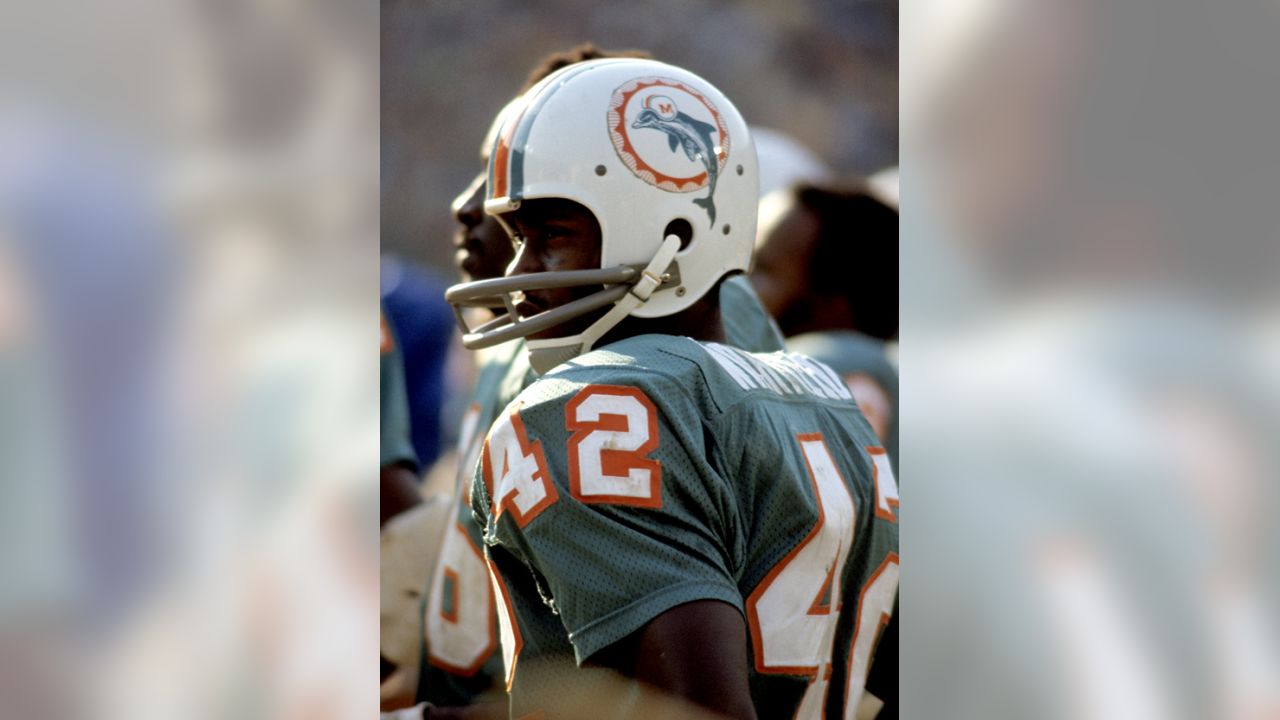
670	136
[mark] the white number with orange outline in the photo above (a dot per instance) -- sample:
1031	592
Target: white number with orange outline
515	471
875	605
459	620
886	485
614	430
516	477
793	630
875	602
508	628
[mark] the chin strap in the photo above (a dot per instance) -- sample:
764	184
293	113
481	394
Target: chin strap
546	354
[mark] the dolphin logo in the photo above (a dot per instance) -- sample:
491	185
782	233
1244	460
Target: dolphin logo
696	137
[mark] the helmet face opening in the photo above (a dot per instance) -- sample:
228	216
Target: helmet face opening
553	235
661	160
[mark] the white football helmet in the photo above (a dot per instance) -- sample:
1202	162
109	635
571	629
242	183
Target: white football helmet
667	166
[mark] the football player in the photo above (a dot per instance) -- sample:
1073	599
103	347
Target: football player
461	661
660	506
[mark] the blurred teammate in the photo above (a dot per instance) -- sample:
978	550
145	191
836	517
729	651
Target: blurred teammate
812	238
716	524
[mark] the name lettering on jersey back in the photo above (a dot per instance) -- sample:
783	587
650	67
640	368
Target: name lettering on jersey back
781	373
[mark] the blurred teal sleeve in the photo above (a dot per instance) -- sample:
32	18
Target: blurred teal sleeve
746	323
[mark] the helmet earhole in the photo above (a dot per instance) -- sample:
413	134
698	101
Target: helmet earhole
681	229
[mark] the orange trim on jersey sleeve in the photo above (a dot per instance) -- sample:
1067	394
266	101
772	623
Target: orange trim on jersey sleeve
518	639
614	463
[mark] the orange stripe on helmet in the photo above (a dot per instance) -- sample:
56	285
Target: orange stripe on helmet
502	154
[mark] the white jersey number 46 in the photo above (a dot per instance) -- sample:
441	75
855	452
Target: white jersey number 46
794	611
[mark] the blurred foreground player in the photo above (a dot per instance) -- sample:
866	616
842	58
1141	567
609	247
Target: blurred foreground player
718	525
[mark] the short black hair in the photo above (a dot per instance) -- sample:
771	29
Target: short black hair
565	58
856	253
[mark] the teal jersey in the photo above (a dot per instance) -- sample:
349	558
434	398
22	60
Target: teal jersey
851	353
747	324
659	471
460	658
397	448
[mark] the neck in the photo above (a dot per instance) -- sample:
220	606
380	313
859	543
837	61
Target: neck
701	321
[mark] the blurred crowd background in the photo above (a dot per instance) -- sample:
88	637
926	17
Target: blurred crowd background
189	239
822	71
1089	321
188	377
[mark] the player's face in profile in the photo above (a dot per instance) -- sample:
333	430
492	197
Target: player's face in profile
787	236
483	249
552	235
